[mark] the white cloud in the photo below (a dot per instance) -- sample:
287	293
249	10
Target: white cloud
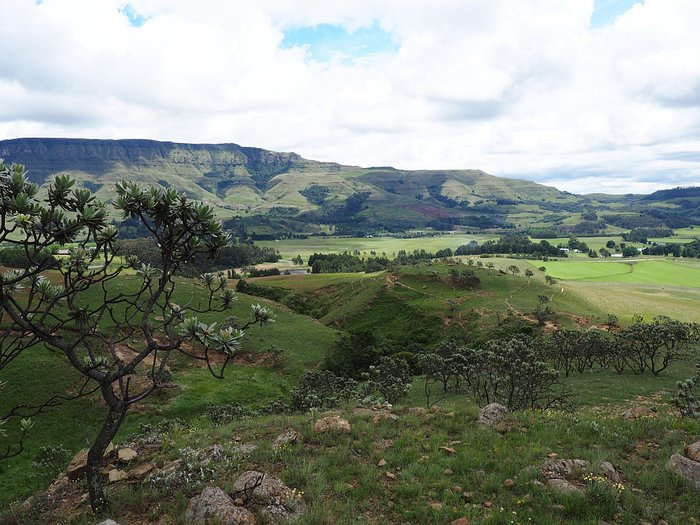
515	87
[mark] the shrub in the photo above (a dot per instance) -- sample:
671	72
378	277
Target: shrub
390	378
49	462
320	390
687	399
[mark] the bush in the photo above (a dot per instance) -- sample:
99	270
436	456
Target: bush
355	352
321	390
687	399
49	462
512	373
390	378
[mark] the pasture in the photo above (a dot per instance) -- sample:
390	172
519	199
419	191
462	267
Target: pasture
390	246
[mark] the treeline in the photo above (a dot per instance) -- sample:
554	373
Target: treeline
350	263
231	256
691	249
642	234
16	257
511	243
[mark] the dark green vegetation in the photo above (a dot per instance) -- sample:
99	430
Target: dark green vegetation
266	194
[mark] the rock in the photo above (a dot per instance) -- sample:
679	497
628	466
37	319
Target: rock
117	475
278	503
289	438
610	472
419	411
381	463
213	505
556	471
685	468
509	483
638	411
390	475
448	450
126	454
464	520
552	455
435	505
140	471
245	449
561	485
448	472
562	468
693	451
107	522
491	415
78	465
332	424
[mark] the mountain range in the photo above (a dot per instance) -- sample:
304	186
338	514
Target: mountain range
284	191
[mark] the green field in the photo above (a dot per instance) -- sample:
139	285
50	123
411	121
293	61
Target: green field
289	248
660	272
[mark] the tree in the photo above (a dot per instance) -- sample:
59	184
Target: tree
108	331
654	346
543	310
529	273
513	269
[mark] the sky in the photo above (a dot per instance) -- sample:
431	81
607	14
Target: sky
585	95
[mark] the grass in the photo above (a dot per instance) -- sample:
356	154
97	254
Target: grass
38	374
639	271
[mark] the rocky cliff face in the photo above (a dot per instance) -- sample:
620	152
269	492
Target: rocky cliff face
47	156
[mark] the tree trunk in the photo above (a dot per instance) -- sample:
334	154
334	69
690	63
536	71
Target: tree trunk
110	426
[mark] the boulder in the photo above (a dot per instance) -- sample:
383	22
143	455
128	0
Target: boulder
127	454
275	500
107	522
213	505
693	451
289	438
491	415
332	424
685	468
637	411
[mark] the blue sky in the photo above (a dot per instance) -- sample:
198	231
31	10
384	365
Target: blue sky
325	42
606	11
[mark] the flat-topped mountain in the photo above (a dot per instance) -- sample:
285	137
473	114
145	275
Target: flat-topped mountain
291	191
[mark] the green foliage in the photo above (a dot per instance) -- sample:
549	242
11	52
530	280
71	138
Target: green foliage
465	279
512	372
687	398
320	390
390	378
49	462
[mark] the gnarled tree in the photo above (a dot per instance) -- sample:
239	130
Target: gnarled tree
80	306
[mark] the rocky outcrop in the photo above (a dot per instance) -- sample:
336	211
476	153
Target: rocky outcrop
275	500
491	415
78	465
214	506
558	474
